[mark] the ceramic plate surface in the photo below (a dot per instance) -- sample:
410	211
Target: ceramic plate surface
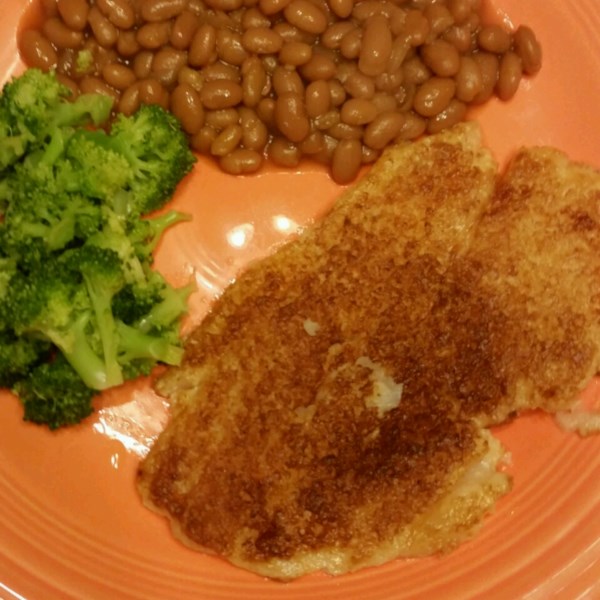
71	523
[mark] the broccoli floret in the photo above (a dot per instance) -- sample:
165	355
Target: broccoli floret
50	303
52	220
81	309
158	154
36	104
53	394
18	355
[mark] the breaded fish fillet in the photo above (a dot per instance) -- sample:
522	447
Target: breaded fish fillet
330	412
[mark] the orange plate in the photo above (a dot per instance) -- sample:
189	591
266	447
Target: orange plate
71	523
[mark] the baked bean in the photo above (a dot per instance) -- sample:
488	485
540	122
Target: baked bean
295	53
221	70
473	22
494	38
284	153
230	48
152	92
61	36
142	64
460	37
224	117
254	80
254	132
127	44
130	100
225	5
439	17
333	35
290	117
346	161
320	66
67	63
290	33
49	8
203	47
376	46
529	49
454	113
183	30
104	31
469	81
221	94
191	76
336	92
317	98
344	131
269	62
226	141
185	104
488	65
265	109
74	13
369	155
389	82
397	20
325	155
384	128
398	54
253	17
161	10
441	57
36	50
94	85
351	44
414	70
358	111
359	85
119	12
384	102
341	8
368	8
509	75
413	126
118	76
271	7
262	40
286	81
433	96
313	143
241	162
152	36
338	80
327	120
202	141
416	27
459	9
306	16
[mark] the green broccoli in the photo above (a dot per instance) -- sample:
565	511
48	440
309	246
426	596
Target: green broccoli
35	105
50	303
53	394
18	355
81	308
157	152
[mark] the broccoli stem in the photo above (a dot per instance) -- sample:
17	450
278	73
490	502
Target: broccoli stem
134	344
78	352
167	310
101	299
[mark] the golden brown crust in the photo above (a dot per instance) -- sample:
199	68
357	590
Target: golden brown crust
328	412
